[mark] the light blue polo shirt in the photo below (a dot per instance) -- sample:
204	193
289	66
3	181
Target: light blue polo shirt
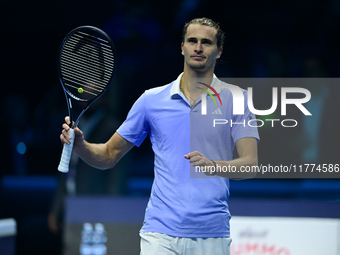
181	205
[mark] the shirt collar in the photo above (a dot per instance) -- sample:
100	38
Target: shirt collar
175	89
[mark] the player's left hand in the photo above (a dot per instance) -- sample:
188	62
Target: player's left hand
198	159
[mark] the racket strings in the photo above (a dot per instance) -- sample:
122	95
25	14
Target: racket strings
79	74
74	62
95	37
90	45
78	80
89	62
86	65
87	87
72	45
85	54
108	67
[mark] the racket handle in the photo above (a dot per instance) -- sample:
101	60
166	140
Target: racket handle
66	154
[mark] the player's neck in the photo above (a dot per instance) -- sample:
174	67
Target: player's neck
189	84
190	78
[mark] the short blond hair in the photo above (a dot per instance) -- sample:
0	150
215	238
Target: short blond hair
206	22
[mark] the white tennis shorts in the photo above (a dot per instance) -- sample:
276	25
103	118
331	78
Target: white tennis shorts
162	244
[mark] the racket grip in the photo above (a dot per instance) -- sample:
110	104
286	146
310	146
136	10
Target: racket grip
66	154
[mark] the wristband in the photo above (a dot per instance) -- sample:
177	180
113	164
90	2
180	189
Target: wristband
214	166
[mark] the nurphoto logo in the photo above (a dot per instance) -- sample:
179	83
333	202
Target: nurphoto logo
239	103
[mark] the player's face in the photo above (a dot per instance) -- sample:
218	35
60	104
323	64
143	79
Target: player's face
200	48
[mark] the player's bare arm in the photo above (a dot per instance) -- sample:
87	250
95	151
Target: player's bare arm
103	155
247	150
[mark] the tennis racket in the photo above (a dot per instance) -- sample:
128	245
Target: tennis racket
86	66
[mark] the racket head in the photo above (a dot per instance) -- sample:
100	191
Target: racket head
86	63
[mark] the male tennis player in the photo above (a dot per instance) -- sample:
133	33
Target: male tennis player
184	215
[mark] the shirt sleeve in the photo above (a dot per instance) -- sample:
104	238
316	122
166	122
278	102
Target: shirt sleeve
242	125
135	128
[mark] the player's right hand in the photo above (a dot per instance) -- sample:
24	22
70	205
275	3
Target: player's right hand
65	137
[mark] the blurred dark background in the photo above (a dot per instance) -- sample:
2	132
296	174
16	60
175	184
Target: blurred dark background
263	39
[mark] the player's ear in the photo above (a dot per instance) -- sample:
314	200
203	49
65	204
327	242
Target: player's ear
182	48
219	53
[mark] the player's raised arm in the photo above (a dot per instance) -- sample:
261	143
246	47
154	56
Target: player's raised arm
101	155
